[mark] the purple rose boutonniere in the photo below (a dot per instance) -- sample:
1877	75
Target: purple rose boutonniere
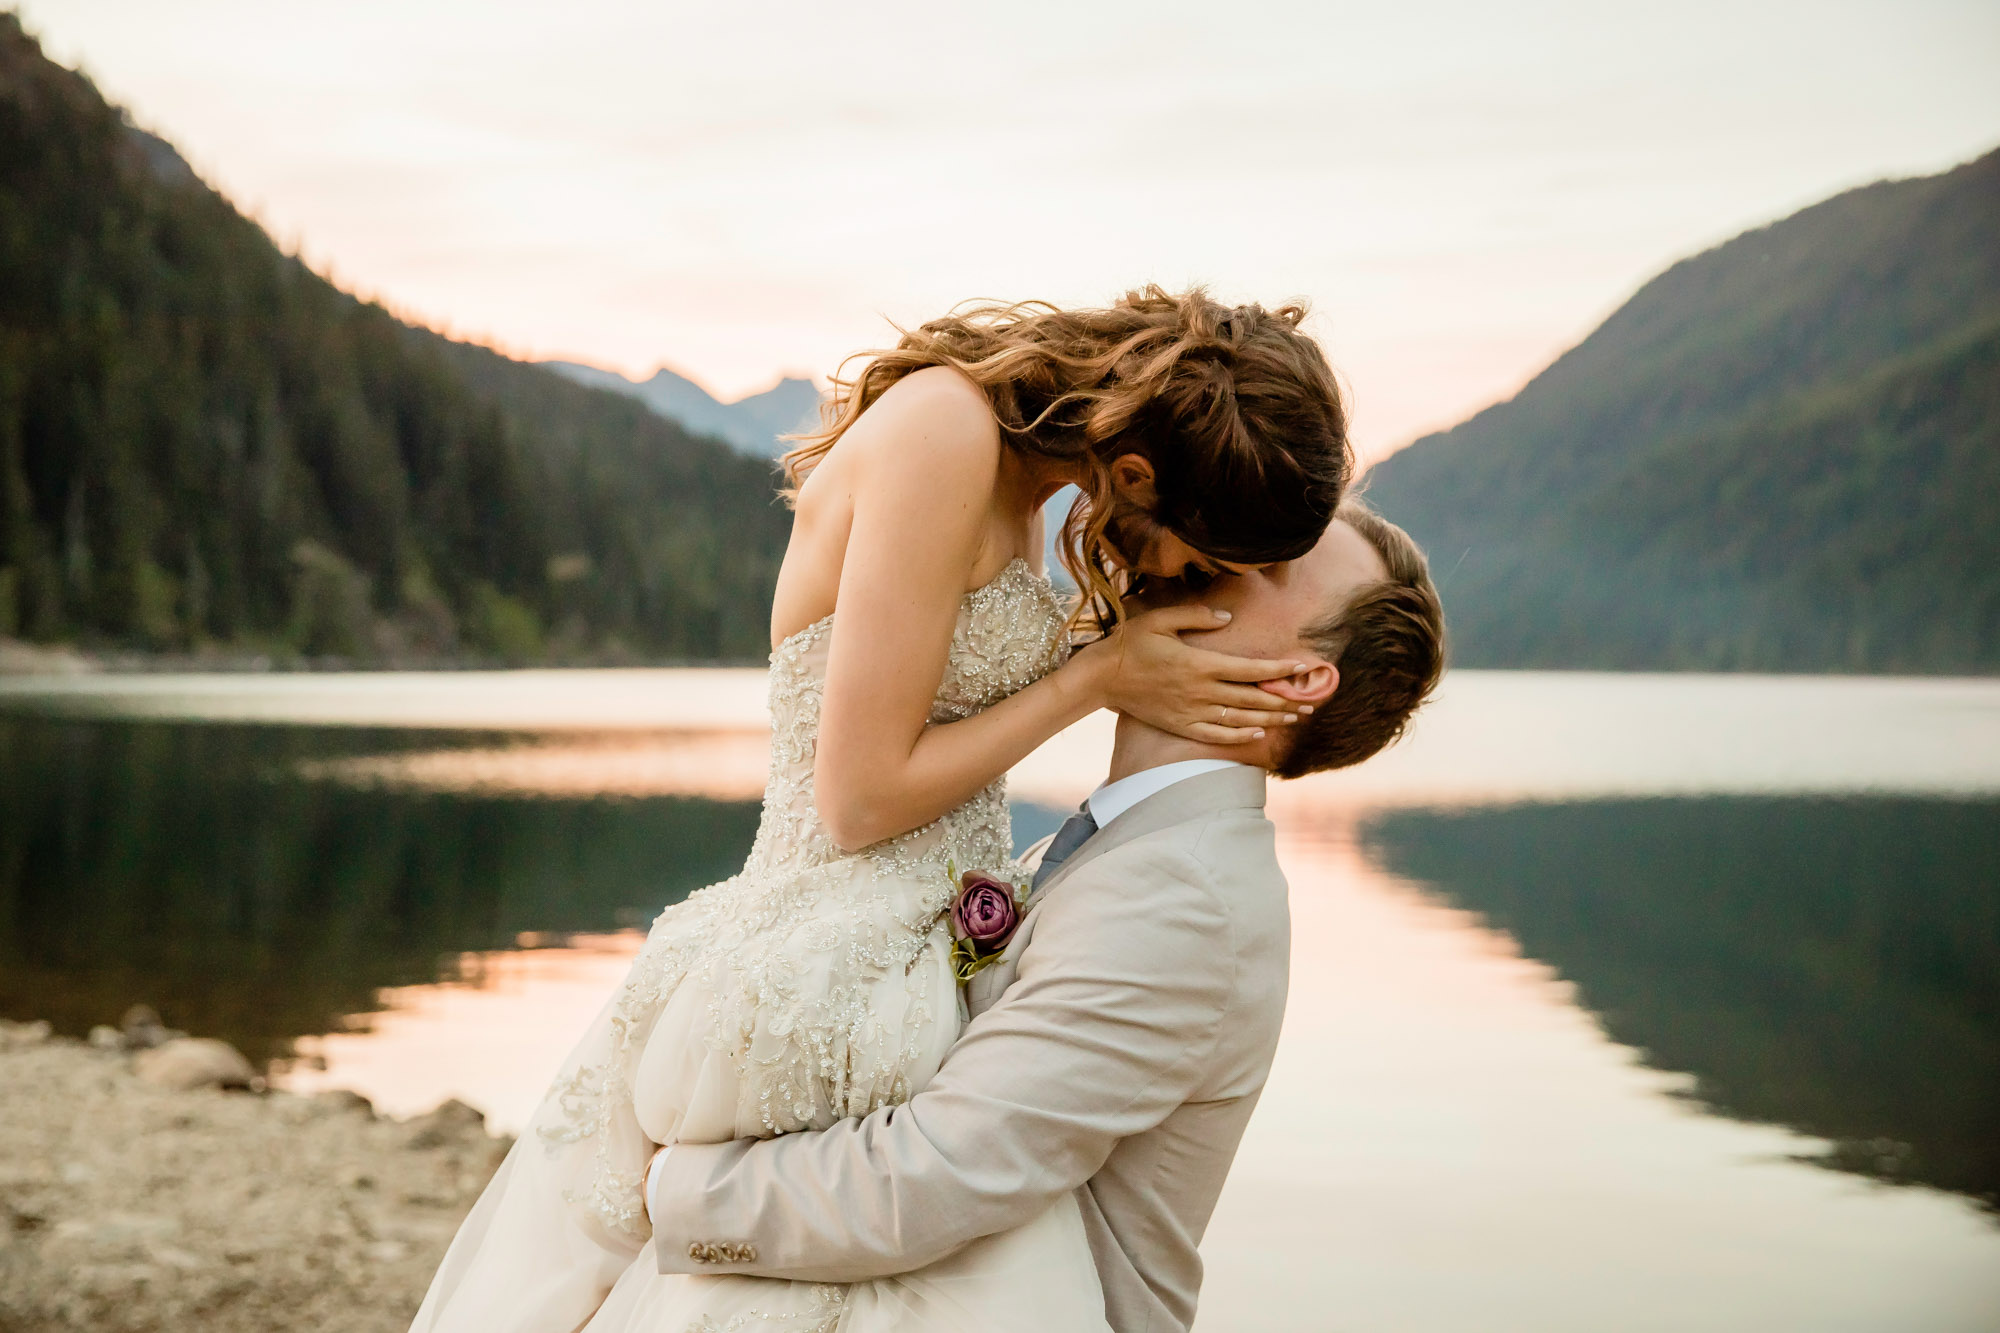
983	918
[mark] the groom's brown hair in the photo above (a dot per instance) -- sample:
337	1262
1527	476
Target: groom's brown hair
1388	643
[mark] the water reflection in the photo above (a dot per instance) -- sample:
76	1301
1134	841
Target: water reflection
1453	1136
492	1035
1832	965
1449	1141
265	883
194	868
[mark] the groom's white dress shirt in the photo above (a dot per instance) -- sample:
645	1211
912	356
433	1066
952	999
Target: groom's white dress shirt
1116	1049
1113	799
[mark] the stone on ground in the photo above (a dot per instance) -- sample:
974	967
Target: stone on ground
127	1206
188	1063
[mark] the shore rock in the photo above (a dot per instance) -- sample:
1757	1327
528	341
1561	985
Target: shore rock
449	1121
24	1034
131	1207
142	1029
344	1099
33	659
186	1063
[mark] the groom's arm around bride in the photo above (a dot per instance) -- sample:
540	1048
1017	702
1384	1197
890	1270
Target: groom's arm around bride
1137	1006
1124	1058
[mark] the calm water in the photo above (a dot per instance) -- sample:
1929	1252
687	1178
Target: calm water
1618	1002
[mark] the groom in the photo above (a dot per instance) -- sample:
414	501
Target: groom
1120	1042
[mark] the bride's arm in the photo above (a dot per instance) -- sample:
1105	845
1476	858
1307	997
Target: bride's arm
922	466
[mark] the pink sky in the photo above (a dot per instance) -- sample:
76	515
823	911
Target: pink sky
1462	190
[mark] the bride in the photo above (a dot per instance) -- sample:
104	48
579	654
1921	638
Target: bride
919	653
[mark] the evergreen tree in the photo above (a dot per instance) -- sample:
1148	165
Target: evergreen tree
202	442
1779	455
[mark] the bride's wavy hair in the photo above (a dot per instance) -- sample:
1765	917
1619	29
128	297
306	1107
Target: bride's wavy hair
1235	407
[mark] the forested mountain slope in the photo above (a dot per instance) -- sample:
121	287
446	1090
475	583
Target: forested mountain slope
205	445
1782	454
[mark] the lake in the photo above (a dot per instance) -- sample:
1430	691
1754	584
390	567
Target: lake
1618	1001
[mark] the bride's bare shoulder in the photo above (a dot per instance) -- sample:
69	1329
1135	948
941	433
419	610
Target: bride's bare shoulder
934	416
940	389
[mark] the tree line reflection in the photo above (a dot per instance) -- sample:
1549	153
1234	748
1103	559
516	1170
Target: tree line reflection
1829	964
1833	965
190	867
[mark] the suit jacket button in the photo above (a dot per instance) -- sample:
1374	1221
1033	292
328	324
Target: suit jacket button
700	1253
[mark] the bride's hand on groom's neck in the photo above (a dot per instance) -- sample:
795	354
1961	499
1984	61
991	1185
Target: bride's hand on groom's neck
1149	673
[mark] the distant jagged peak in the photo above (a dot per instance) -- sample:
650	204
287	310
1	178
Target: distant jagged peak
216	450
790	386
751	424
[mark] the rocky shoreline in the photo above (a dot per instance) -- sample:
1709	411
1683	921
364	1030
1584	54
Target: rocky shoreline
150	1184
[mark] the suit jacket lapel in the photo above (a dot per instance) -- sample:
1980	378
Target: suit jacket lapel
1229	788
1226	789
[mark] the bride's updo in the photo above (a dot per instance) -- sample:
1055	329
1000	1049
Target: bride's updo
1236	409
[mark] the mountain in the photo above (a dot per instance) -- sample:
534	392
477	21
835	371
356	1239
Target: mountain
754	424
205	447
751	425
1779	455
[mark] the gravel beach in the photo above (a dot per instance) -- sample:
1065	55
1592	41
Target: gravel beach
131	1201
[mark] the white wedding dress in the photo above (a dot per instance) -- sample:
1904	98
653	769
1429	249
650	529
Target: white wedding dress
814	985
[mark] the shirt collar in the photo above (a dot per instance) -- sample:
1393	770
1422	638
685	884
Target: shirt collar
1115	798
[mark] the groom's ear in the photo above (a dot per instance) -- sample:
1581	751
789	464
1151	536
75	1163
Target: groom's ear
1314	684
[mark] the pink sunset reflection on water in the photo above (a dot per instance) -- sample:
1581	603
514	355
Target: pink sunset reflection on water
491	1037
1449	1139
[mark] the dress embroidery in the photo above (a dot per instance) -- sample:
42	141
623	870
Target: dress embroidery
820	1315
793	953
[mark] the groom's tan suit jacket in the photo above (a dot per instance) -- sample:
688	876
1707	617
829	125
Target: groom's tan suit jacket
1116	1049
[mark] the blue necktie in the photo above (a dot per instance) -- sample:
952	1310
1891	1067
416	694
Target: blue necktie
1075	832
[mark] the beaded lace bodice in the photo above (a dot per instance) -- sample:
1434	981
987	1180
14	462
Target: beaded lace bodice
804	968
1009	634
